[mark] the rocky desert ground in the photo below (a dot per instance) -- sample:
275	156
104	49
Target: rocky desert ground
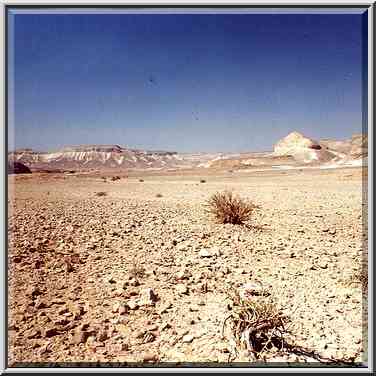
141	273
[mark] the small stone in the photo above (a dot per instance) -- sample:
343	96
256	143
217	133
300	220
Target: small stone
251	289
140	333
151	295
102	336
148	297
183	274
132	304
224	349
187	338
181	247
13	326
17	259
33	291
62	310
124	346
123	309
216	251
152	327
111	279
32	333
39	303
80	336
45	349
164	326
123	330
148	357
194	308
61	321
173	341
182	289
134	282
118	292
115	307
57	301
204	253
50	332
68	266
118	347
164	308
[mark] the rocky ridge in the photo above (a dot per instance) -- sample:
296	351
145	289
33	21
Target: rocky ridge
294	150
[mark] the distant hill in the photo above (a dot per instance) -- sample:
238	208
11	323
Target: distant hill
93	157
18	168
293	150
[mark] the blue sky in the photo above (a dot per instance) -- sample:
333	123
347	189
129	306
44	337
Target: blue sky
185	82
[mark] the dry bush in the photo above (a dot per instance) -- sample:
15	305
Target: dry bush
158	195
362	277
256	323
202	181
100	194
359	277
141	180
114	178
229	208
136	270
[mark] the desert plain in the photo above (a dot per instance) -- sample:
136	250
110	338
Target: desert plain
141	273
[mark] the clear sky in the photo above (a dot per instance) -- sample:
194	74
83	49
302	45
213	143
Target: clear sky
184	82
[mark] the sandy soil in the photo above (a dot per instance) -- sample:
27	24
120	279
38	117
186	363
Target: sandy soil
74	295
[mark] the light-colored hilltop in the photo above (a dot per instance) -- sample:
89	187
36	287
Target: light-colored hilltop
297	150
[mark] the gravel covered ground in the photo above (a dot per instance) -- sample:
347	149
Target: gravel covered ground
140	274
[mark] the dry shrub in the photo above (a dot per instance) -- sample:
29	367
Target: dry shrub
256	323
229	208
158	195
100	194
136	270
114	178
141	180
359	277
362	277
202	181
